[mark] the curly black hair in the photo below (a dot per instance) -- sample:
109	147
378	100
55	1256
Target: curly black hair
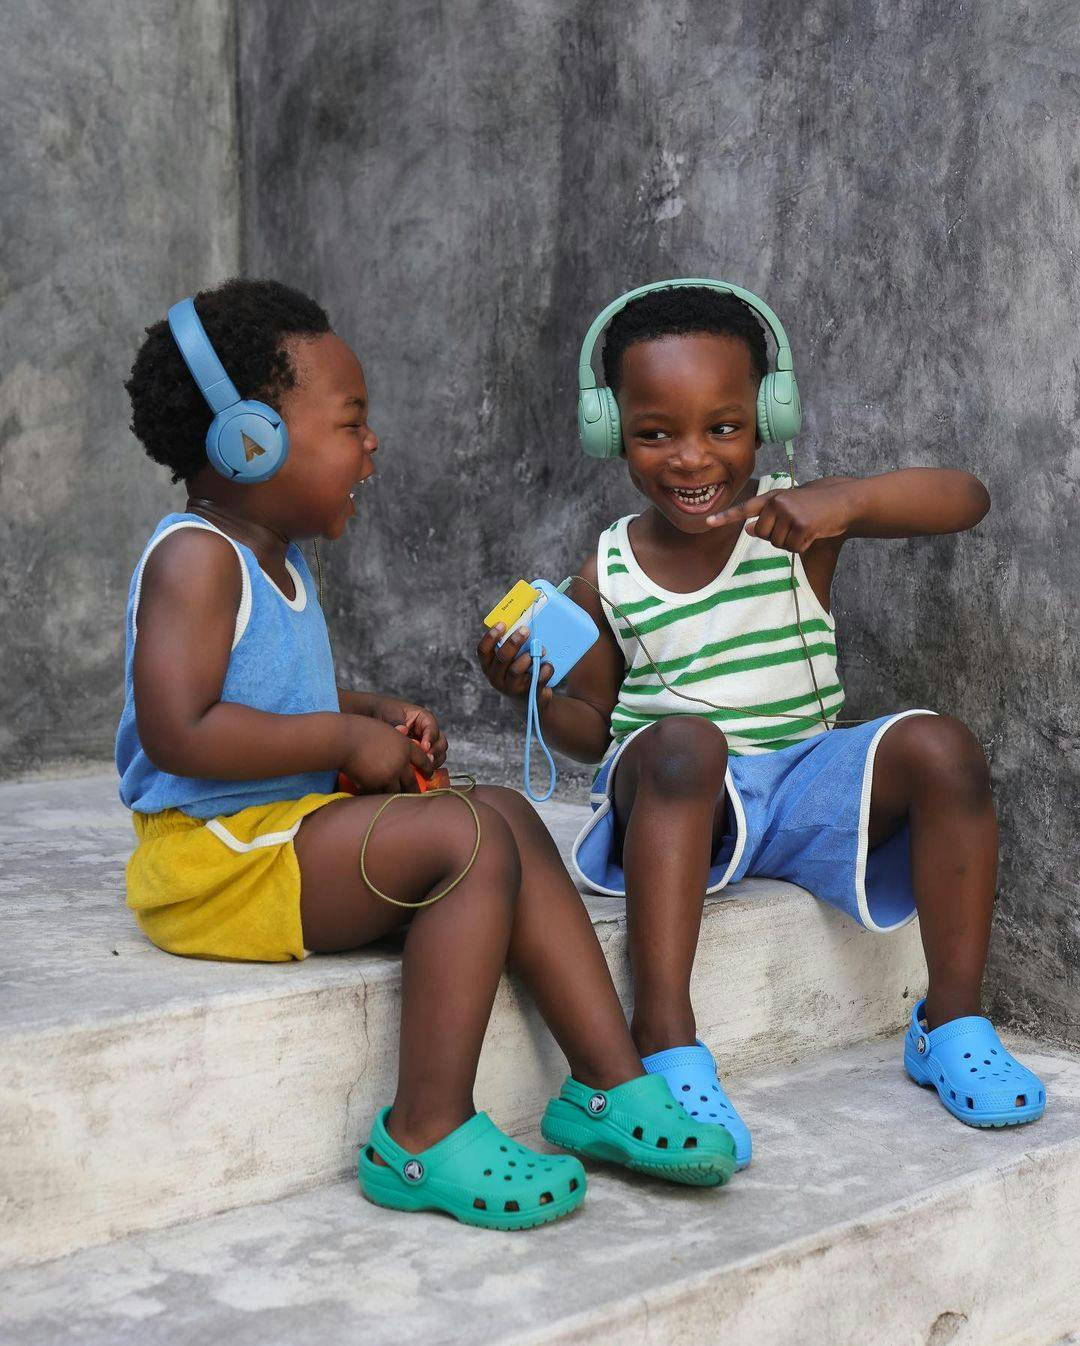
679	311
247	322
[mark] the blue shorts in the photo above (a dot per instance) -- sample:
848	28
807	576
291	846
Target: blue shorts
800	814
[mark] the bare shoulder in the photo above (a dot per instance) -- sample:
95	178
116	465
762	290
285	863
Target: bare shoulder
195	566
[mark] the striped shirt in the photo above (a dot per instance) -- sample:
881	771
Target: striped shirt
735	643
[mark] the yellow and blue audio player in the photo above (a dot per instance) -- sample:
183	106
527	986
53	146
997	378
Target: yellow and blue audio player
560	632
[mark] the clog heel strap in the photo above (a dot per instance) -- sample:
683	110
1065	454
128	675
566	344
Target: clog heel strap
692	1078
477	1174
638	1125
974	1074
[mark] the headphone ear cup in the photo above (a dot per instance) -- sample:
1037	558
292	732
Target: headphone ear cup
247	442
764	430
779	409
599	427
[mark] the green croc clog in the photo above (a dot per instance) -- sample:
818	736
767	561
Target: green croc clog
639	1125
477	1174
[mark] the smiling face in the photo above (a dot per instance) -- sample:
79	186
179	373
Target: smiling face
687	407
331	445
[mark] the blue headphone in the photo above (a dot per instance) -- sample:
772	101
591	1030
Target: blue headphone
247	441
779	412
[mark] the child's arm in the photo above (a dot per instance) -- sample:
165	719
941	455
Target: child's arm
186	618
914	502
418	722
577	721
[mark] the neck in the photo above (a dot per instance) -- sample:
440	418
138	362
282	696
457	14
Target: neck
259	536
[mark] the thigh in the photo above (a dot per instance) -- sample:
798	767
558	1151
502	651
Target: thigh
413	845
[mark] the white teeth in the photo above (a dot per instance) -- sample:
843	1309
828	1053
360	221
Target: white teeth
695	496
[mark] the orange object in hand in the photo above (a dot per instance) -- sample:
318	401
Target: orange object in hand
439	781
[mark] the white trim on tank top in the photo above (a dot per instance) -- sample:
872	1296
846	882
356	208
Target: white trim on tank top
243	612
299	601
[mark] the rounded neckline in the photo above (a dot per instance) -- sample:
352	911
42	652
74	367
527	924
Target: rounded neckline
690	595
297	603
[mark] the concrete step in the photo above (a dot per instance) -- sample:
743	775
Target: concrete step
138	1090
868	1216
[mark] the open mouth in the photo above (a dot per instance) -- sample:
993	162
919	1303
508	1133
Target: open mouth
362	482
695	499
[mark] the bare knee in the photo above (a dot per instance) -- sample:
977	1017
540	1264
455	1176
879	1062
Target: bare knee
940	755
497	859
491	857
683	756
511	804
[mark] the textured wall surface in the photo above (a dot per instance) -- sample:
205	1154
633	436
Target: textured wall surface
118	192
465	184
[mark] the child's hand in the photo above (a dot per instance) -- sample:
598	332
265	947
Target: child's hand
417	723
380	759
509	670
796	518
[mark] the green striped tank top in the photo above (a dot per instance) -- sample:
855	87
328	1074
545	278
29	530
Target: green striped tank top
735	642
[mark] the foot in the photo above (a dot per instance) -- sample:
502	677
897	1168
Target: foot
477	1174
976	1078
639	1125
691	1076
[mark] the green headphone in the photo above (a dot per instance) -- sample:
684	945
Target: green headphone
779	411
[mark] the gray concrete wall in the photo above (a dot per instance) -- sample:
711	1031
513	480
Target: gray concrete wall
118	192
465	183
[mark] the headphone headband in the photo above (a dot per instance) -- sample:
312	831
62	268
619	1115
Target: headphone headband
778	411
247	441
199	356
586	376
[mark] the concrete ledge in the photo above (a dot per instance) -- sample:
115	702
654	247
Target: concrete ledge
869	1217
137	1090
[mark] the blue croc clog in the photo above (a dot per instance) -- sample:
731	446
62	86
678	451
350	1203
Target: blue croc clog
975	1076
691	1076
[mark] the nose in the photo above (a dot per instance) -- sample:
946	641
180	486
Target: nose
691	453
371	443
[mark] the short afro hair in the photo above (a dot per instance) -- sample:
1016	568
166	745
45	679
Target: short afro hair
679	311
248	323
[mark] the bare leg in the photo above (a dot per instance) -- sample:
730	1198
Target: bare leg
455	950
932	770
554	948
670	812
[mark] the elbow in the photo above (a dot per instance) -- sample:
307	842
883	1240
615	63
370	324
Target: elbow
166	756
166	748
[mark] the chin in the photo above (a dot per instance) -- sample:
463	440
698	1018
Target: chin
685	523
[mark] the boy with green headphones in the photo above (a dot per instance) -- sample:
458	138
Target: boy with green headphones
712	697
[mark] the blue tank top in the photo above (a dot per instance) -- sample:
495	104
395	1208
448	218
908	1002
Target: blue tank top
280	662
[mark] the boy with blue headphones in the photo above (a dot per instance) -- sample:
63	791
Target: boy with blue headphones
231	739
712	696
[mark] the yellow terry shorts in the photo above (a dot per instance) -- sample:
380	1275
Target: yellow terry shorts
225	888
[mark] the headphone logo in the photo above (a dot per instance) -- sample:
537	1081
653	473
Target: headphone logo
251	449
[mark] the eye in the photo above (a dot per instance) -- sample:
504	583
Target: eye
724	428
651	436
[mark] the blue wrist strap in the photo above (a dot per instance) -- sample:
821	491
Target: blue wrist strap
532	726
